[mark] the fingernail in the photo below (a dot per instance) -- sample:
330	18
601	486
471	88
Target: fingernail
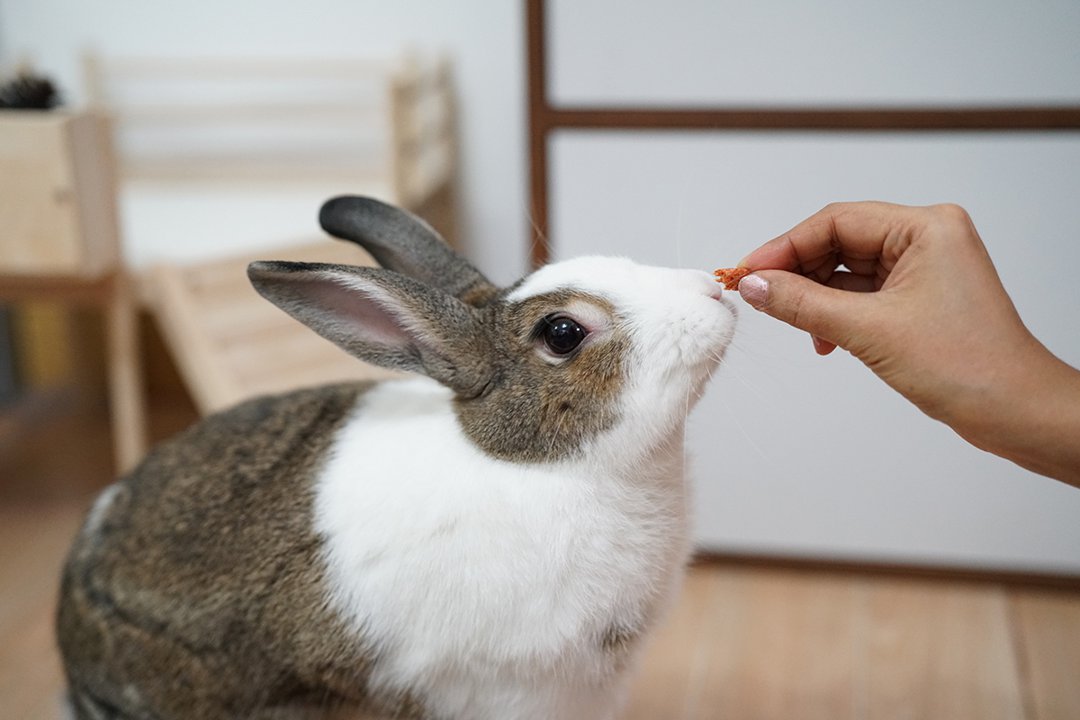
754	290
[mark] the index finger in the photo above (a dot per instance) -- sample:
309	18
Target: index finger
834	235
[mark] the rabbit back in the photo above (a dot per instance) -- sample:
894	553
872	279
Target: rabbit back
195	588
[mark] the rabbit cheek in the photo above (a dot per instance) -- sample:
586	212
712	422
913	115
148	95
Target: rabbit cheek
545	413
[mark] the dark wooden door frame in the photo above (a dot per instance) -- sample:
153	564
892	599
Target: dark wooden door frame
545	118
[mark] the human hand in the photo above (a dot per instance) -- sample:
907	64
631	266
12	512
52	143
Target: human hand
919	301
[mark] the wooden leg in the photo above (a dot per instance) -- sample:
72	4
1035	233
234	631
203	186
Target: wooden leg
127	399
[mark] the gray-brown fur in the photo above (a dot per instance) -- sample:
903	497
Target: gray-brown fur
403	242
447	321
360	308
511	404
201	584
534	411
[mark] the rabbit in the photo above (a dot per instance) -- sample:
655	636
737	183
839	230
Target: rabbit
490	537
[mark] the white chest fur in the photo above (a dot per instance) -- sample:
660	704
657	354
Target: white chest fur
487	585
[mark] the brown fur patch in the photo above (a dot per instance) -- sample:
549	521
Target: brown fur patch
480	294
618	643
536	411
618	640
200	590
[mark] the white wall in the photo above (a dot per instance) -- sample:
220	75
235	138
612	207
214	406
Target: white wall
485	39
813	456
794	453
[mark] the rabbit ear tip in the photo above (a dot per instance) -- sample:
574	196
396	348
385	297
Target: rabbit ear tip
337	214
260	268
348	203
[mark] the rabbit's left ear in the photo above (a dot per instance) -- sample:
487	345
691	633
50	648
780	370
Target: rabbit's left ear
402	242
384	318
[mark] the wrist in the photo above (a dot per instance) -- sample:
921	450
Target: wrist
1029	413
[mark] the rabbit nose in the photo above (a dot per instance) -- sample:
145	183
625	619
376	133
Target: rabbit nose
706	282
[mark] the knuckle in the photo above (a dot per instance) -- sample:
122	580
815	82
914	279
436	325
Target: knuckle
952	214
835	208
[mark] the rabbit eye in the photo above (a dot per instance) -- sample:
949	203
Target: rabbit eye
562	335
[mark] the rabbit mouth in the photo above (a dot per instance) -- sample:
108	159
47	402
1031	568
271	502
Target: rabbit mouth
710	343
715	331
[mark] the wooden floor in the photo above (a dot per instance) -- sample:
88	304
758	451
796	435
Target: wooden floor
749	643
743	643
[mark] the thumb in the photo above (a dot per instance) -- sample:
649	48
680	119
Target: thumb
827	313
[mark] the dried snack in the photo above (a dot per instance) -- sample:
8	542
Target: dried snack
730	277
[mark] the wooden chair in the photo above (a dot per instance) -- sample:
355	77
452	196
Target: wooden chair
61	242
231	344
227	161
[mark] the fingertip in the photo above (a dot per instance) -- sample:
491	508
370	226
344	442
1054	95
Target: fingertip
822	347
754	289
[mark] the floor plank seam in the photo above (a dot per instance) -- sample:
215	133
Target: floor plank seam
1023	660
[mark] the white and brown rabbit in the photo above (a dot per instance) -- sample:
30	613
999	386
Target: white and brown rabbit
489	542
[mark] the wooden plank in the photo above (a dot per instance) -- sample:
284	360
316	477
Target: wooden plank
281	346
59	288
31	676
57	198
261	172
93	165
38	204
539	126
33	542
127	397
269	104
759	643
887	570
155	68
231	344
838	119
210	386
34	539
1048	638
663	684
785	648
252	112
933	650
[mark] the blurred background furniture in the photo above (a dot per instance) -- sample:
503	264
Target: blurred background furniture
230	344
61	243
224	161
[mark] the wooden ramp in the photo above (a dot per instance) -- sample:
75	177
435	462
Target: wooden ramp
239	153
230	344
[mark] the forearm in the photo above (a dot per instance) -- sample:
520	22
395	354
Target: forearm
1033	418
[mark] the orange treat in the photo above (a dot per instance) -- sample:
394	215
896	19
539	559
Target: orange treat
731	276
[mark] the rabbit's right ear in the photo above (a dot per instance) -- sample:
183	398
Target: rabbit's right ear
385	318
403	242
